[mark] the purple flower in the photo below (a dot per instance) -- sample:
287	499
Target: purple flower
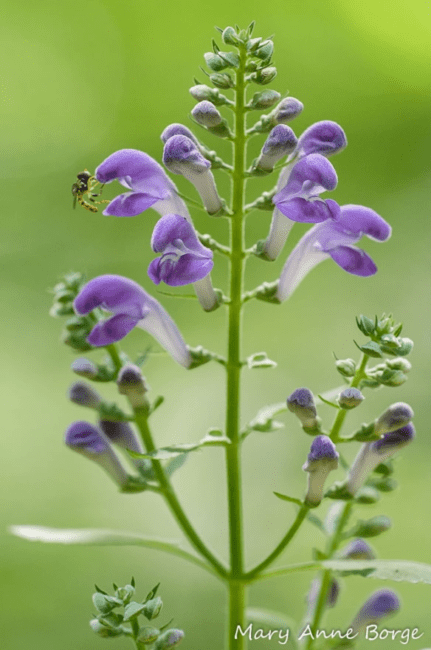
206	114
131	306
184	259
121	434
381	604
324	138
280	142
334	238
301	403
357	549
396	416
182	156
372	454
89	441
131	383
178	129
299	198
322	459
150	187
287	110
84	395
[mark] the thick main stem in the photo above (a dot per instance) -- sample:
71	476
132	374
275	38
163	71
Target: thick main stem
233	367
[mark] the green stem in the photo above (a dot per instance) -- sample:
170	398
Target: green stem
327	575
233	367
141	420
113	352
254	573
339	420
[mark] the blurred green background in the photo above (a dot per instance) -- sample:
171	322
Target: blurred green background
82	79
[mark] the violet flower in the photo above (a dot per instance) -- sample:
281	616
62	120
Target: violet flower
131	383
181	156
89	441
121	434
287	110
357	549
380	605
131	306
178	129
280	142
84	395
301	403
336	239
371	454
322	459
393	418
184	259
150	186
324	138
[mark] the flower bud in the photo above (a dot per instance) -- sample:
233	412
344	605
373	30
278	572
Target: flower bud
169	639
373	527
396	416
131	383
89	441
331	595
346	367
264	76
381	604
84	368
280	142
103	630
147	635
350	398
287	110
301	403
201	92
181	156
229	36
222	80
265	50
84	395
177	129
206	114
322	459
357	549
265	99
372	454
121	434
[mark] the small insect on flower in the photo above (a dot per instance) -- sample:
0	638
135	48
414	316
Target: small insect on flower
85	185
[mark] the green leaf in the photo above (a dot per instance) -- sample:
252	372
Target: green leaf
269	621
326	401
260	360
284	497
166	453
175	463
103	537
264	422
372	349
316	521
398	570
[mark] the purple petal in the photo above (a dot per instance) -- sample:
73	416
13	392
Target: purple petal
353	260
130	204
322	447
182	150
288	109
394	439
85	436
135	170
186	270
111	330
310	176
171	227
114	293
324	137
359	220
307	211
177	129
281	140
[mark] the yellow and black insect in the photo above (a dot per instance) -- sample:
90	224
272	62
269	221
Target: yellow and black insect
85	186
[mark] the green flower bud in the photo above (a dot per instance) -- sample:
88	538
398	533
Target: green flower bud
201	92
265	76
224	80
229	36
103	630
372	527
153	608
264	99
214	62
148	635
265	50
346	367
169	639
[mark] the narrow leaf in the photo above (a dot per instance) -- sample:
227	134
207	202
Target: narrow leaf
284	497
398	570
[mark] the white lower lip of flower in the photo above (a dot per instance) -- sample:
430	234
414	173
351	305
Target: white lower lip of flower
205	293
278	233
205	185
160	325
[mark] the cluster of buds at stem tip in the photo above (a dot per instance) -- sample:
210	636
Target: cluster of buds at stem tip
301	403
322	459
182	156
397	433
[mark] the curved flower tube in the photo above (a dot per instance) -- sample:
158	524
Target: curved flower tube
184	259
131	307
325	138
381	604
150	186
334	238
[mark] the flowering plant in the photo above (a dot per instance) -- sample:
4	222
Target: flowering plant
104	310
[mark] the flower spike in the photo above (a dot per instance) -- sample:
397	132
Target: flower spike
131	307
148	183
181	156
334	238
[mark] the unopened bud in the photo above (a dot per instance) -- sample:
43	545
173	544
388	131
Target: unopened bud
280	142
381	604
264	76
357	549
346	367
322	459
229	36
373	527
395	417
131	383
169	639
350	398
301	403
84	368
265	99
287	110
84	395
